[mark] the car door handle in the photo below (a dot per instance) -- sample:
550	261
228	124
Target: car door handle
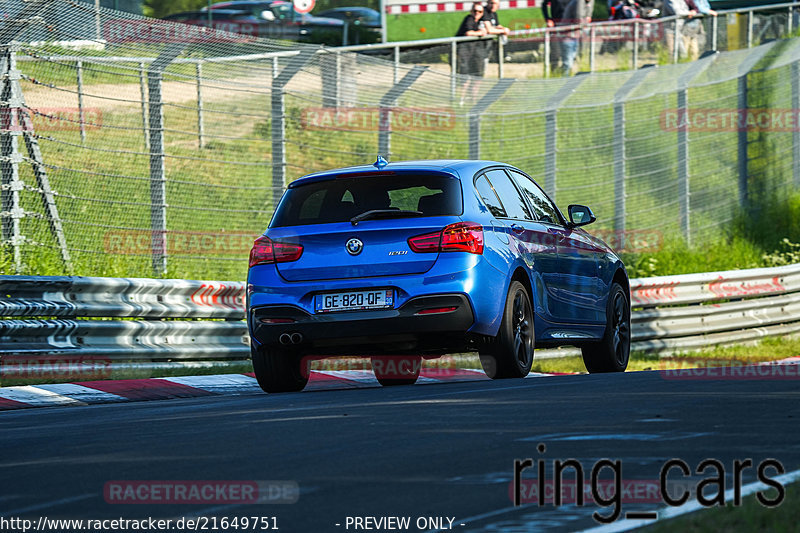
516	228
558	235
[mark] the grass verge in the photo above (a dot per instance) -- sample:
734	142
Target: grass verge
750	516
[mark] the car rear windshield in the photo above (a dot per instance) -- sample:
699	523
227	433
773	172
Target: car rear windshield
341	199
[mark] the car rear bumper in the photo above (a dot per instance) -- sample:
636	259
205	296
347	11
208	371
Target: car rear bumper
421	323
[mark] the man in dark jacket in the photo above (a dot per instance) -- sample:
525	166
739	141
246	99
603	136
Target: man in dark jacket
470	55
553	12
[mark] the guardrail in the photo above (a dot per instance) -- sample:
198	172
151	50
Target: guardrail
149	323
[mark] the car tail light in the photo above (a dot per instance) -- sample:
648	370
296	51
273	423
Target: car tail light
266	251
458	237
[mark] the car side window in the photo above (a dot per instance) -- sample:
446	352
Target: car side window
489	197
542	206
513	202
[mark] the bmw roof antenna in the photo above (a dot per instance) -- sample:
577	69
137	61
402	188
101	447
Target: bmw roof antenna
380	162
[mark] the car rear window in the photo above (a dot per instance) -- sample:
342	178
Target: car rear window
340	199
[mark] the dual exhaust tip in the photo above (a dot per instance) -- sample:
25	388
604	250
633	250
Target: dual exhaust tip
290	338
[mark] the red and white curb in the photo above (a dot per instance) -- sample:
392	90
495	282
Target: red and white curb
129	390
399	7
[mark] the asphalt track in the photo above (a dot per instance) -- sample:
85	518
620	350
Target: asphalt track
420	451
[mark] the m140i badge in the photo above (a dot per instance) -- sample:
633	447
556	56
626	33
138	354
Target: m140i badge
354	246
399	252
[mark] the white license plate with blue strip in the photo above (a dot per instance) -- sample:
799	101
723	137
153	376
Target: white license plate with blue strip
354	300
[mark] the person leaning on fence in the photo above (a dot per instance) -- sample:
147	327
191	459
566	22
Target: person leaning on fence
470	55
493	26
576	12
688	45
553	13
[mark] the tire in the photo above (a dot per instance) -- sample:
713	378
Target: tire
612	353
510	353
396	370
278	369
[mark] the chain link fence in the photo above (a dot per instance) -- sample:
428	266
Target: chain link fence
160	149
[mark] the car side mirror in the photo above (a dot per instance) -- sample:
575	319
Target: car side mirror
580	215
268	15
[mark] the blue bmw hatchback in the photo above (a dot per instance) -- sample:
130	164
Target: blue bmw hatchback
412	260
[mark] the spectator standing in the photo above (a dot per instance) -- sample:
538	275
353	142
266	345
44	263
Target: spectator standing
470	59
493	27
553	13
687	43
576	12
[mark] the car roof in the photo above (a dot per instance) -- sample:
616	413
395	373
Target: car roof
455	167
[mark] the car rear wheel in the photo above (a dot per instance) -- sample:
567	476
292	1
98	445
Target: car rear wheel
396	370
510	353
612	353
278	369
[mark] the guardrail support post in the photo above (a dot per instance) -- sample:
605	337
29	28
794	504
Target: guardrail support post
81	114
477	110
388	101
278	112
200	121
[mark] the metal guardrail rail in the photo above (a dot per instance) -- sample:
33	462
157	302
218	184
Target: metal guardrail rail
149	322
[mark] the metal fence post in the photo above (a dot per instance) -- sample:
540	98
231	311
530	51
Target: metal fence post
388	101
396	71
620	192
789	23
635	57
795	130
714	31
10	158
453	68
547	52
158	171
749	29
676	40
501	53
478	109
684	185
81	114
743	159
592	35
200	121
278	113
551	131
143	93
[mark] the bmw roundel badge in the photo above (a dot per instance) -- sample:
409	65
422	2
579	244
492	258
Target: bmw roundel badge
354	246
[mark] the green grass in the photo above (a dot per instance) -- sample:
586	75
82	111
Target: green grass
417	26
769	349
750	516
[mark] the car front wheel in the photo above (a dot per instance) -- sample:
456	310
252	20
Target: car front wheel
612	353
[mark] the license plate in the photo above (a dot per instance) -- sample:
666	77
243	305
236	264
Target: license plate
353	300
